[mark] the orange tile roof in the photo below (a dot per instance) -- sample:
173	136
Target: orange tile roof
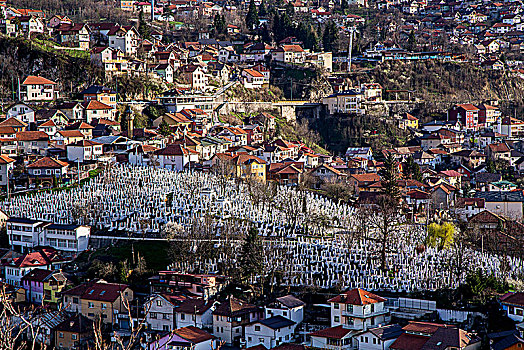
357	297
36	80
48	162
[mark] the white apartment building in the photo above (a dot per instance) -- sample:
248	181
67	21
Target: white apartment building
270	332
24	234
67	238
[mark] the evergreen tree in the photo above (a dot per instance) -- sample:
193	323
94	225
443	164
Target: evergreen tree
252	16
290	9
262	10
411	170
143	29
164	128
219	23
330	36
389	175
412	41
251	255
344	5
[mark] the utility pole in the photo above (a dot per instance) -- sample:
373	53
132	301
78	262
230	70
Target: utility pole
350	49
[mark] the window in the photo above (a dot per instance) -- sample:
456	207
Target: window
159	303
152	315
257	328
183	317
104	306
337	319
90	305
336	306
60	335
166	317
74	336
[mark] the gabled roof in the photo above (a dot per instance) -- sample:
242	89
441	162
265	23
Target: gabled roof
48	162
357	296
97	290
194	306
290	301
513	298
37	80
193	334
337	332
32	136
95	105
14	122
234	307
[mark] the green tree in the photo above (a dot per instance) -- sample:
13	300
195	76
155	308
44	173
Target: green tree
55	182
490	166
164	129
252	16
143	28
219	23
441	236
412	41
389	176
262	10
330	36
411	170
251	258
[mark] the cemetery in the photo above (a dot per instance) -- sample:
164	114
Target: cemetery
303	232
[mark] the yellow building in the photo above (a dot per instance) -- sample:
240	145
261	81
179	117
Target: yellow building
242	165
99	299
408	121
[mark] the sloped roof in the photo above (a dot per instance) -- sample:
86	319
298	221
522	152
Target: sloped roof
357	296
97	290
337	332
37	80
48	162
234	307
193	334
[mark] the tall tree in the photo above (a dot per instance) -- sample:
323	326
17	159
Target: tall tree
252	16
251	255
389	176
219	23
262	10
411	170
412	41
330	36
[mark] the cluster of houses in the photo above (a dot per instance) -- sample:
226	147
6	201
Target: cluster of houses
489	28
193	311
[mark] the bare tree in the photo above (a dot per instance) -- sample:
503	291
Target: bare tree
385	222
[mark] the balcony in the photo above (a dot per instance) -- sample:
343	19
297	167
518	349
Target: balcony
365	315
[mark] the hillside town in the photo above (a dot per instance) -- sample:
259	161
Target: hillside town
262	174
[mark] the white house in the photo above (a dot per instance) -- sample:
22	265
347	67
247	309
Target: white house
345	102
22	112
358	309
287	306
124	39
269	332
176	157
6	166
160	315
379	338
185	338
35	88
231	317
84	150
334	338
513	305
253	79
195	312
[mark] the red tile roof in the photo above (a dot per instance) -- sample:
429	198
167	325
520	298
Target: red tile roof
48	162
409	342
337	332
32	136
98	290
193	334
36	80
357	297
